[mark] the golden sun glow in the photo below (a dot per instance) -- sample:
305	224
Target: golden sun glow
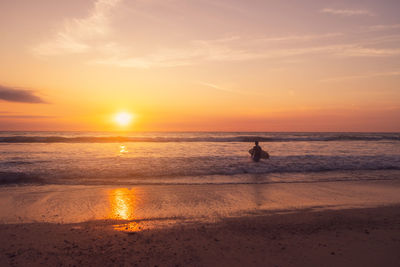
123	206
123	118
123	202
84	74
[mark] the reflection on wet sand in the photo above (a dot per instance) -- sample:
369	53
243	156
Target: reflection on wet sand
123	204
258	191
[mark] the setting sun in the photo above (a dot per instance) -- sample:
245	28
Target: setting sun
185	120
123	118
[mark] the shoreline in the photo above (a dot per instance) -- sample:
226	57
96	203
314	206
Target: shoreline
74	204
305	224
346	237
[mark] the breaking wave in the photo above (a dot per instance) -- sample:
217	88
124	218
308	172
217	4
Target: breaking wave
237	138
195	169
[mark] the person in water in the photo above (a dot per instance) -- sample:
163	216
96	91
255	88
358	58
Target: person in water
256	152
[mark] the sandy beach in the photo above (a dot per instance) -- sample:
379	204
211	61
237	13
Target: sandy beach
300	224
351	237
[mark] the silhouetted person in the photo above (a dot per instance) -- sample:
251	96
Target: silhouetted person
256	152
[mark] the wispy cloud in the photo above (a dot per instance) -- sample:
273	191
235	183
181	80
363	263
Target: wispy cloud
217	87
220	49
361	76
227	89
384	27
360	51
347	12
77	35
26	117
161	58
307	37
91	36
215	51
12	94
211	85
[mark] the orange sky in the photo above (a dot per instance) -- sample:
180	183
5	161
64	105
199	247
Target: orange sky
183	65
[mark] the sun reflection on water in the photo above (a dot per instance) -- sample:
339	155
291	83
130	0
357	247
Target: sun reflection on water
123	149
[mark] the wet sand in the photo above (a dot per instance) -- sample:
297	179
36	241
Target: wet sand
299	224
74	204
350	237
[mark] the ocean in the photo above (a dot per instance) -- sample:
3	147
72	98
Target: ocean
108	158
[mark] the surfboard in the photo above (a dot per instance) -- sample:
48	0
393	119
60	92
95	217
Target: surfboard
264	154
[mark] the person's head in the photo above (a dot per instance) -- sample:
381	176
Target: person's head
256	142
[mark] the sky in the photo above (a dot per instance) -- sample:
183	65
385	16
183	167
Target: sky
200	65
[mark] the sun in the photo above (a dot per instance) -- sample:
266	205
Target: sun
123	118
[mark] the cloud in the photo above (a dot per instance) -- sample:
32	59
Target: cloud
211	85
91	36
26	117
78	35
237	49
347	12
18	95
228	89
360	51
308	37
361	76
222	49
384	27
217	87
161	58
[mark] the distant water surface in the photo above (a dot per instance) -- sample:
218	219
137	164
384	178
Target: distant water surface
84	158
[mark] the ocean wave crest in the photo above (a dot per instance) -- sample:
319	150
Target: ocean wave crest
164	170
239	138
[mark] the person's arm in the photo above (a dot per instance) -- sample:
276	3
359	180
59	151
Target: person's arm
251	151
